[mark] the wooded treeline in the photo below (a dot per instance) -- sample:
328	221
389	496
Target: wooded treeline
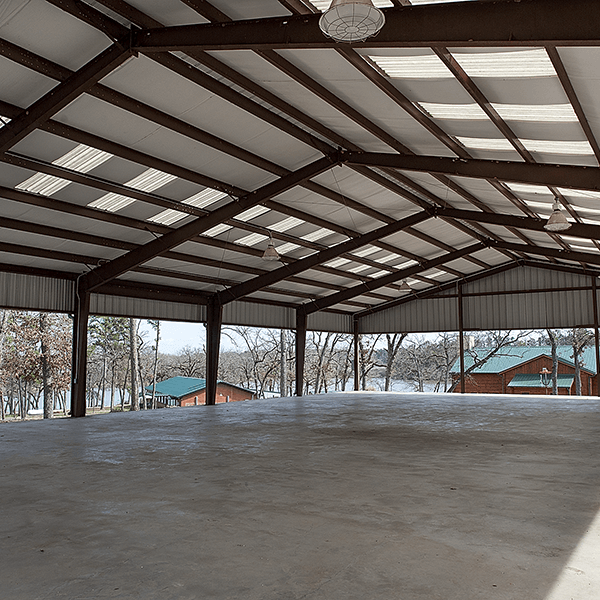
124	361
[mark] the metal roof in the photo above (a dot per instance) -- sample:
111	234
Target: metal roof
529	380
513	356
151	149
178	387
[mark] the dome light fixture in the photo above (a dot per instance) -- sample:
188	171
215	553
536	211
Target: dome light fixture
270	253
557	221
351	20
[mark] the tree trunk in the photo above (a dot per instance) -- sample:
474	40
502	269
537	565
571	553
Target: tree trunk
554	346
48	400
133	356
282	365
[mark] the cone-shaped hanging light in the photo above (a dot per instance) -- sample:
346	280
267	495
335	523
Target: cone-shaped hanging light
557	221
351	20
404	287
270	253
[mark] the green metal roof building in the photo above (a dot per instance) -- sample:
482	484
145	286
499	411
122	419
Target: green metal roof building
518	369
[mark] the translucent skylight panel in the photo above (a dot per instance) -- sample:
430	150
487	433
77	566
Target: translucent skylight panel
217	230
434	274
574	148
317	234
81	159
580	193
286	224
542	113
539	205
516	64
547	113
148	181
338	262
287	248
252	239
464	112
252	213
426	66
525	188
576	240
559	147
584	248
323	5
378	274
389	258
200	200
367	251
497	144
4	121
359	269
584	209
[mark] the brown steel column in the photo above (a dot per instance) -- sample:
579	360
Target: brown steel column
79	360
596	333
301	325
356	357
214	319
461	339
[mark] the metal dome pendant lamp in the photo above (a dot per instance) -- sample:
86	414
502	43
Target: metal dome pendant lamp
271	253
557	221
351	20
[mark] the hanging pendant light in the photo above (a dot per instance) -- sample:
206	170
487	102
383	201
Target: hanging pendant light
270	253
351	20
404	287
557	221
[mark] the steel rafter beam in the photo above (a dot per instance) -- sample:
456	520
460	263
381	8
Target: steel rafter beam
176	237
61	95
358	290
253	285
581	257
501	23
582	230
435	291
142	20
566	176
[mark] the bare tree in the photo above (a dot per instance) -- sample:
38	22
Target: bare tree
134	359
553	337
394	343
580	338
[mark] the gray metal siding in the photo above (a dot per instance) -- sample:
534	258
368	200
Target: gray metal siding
259	315
337	323
420	316
119	306
31	292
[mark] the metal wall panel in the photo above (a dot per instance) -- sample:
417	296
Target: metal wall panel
259	315
31	292
525	279
420	316
529	311
324	321
119	306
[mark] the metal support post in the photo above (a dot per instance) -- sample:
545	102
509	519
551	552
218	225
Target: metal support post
79	361
461	338
596	333
214	319
356	356
301	325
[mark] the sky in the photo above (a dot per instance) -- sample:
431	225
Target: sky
175	335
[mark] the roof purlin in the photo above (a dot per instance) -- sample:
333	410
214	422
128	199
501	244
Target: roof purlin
468	24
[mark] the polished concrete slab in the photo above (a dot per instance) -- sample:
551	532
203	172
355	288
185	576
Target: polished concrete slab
342	496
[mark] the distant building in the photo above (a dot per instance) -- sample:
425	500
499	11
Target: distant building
191	391
523	370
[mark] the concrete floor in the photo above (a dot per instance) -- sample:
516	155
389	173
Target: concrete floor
343	496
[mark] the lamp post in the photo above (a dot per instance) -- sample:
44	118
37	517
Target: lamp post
546	378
